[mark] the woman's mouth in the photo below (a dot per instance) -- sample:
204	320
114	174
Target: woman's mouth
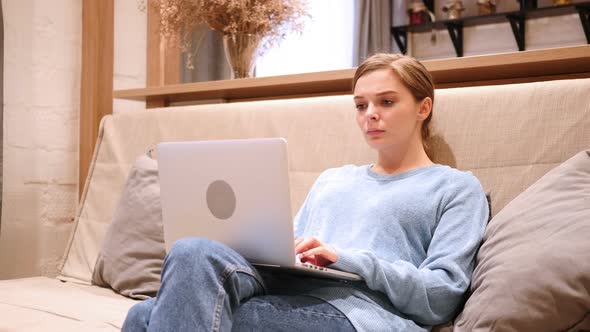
375	132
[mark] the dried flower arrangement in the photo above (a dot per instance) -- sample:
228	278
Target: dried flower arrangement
246	24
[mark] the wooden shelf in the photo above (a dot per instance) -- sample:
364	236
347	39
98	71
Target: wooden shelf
318	83
526	66
515	18
467	21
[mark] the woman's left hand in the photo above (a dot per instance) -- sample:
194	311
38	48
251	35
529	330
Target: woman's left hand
315	252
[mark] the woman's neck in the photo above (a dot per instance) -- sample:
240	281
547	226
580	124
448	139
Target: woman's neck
401	159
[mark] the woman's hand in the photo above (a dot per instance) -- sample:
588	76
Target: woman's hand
315	252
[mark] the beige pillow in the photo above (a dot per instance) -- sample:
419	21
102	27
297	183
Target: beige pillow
533	269
133	251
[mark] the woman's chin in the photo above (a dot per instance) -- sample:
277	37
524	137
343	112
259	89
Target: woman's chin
375	144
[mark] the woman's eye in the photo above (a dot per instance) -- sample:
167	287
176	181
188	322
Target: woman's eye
360	107
387	102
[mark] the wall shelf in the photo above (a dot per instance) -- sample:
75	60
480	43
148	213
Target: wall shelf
517	19
503	68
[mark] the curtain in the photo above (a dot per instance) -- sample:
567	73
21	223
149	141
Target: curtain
208	58
372	29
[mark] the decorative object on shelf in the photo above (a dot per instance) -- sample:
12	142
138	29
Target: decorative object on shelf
419	13
453	8
240	52
561	2
249	27
486	7
516	18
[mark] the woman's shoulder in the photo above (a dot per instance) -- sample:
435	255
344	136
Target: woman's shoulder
347	169
459	180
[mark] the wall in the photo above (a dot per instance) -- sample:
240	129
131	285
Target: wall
540	33
41	123
130	52
1	103
41	112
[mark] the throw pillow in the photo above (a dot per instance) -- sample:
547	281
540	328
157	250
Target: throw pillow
132	254
533	269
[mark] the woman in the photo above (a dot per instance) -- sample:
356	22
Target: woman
408	226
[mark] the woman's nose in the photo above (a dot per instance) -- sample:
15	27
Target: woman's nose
371	113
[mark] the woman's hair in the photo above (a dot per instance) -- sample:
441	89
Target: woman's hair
412	73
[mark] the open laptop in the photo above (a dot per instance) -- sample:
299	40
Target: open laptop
235	192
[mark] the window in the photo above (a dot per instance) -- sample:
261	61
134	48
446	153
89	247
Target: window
325	44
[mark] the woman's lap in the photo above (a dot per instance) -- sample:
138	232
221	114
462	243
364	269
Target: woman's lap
289	313
193	268
269	313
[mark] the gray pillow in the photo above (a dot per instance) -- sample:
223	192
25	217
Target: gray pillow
132	254
533	269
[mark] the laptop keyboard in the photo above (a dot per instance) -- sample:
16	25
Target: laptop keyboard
313	267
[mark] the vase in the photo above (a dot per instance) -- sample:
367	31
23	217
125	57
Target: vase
241	51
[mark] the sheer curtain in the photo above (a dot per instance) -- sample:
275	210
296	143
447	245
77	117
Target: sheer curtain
372	28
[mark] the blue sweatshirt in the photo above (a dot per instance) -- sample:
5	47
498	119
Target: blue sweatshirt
411	236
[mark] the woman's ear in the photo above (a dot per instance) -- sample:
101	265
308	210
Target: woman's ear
425	108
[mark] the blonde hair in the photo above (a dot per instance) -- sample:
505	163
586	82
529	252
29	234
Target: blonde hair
411	72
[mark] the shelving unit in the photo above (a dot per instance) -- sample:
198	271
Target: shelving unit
503	68
528	9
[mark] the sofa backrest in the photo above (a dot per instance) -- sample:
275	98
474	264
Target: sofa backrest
508	136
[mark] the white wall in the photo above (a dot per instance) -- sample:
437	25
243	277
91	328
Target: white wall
549	32
130	52
498	38
42	68
41	120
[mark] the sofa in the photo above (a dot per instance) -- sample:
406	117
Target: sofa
519	140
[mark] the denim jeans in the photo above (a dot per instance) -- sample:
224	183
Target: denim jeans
206	286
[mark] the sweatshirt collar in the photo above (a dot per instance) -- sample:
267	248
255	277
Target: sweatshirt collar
391	177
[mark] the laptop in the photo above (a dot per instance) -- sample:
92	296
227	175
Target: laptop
235	192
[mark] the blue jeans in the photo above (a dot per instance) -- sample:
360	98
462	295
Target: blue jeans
206	286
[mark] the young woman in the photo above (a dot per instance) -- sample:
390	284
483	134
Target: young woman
408	226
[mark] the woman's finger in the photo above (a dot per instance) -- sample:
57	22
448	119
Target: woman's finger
298	240
307	244
323	255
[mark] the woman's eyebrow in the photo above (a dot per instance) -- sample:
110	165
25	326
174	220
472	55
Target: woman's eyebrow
386	92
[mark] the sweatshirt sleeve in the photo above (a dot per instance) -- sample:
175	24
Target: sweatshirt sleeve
301	219
430	293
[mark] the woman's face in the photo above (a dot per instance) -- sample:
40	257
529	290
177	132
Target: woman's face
386	111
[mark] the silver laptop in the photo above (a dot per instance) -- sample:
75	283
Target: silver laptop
235	192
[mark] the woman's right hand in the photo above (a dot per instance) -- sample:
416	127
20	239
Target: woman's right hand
315	252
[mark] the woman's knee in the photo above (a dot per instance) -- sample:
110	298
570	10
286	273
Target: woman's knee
138	316
289	313
192	254
192	247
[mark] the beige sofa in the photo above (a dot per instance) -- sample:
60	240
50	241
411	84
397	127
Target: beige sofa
509	136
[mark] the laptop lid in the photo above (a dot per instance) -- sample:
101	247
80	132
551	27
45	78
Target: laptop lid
232	191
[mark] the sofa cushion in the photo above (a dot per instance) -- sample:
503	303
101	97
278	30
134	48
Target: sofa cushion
508	142
130	261
533	271
47	304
